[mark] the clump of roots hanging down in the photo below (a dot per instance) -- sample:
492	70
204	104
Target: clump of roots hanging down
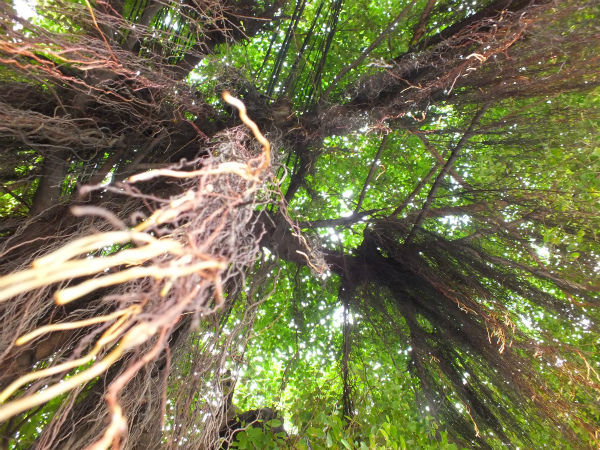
127	294
457	304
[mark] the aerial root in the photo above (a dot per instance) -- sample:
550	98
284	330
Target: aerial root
153	278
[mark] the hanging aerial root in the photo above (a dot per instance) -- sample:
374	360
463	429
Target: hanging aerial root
243	170
250	124
108	337
60	265
156	279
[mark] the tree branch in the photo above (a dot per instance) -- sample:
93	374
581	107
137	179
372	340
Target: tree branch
368	50
492	10
370	175
15	196
232	26
459	179
355	217
451	160
415	191
133	40
48	192
419	29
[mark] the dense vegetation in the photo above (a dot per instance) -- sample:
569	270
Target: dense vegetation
410	261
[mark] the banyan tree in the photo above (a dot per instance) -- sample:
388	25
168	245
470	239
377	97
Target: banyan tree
299	224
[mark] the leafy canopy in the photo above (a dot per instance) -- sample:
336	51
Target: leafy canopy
419	269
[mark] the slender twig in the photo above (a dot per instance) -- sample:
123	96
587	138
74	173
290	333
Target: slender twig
15	196
459	179
370	175
451	160
415	191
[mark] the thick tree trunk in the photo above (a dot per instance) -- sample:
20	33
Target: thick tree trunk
52	179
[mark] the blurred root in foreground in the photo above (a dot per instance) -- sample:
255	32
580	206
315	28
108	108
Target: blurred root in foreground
128	293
